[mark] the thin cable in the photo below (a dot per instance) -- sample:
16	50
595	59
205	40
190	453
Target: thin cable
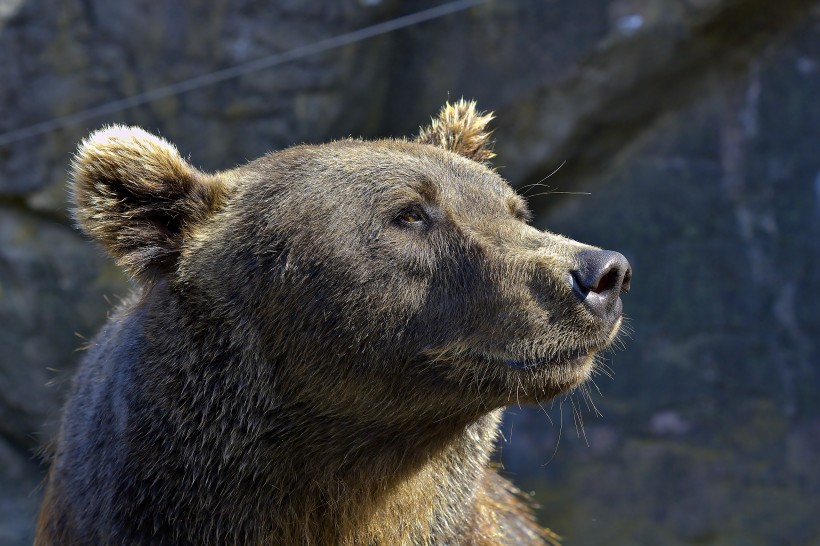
238	70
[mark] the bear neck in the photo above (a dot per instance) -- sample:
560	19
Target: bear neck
277	467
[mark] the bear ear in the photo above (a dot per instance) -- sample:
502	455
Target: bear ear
134	193
460	129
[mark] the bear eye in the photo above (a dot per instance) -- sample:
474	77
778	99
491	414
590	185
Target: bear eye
411	215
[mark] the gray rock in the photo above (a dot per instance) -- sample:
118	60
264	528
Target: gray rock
54	288
692	125
714	397
57	59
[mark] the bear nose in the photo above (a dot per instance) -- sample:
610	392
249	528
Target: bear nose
599	280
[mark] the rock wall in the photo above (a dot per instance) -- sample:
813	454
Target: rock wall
688	134
710	425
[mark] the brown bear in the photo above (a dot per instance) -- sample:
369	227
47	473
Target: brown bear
321	344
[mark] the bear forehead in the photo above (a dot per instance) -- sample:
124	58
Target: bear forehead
393	170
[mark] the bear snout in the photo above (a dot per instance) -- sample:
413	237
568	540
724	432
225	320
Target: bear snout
599	280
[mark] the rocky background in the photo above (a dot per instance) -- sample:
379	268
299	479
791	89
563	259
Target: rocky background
687	133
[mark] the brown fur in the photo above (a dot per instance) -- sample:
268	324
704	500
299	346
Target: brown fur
305	362
460	129
142	233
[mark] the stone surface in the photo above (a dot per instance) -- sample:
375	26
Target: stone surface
56	59
708	416
54	294
688	135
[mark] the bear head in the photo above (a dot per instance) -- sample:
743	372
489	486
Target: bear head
401	276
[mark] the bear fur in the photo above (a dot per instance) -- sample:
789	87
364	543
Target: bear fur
319	348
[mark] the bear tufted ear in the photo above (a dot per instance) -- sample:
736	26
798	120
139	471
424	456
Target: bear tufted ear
134	193
460	129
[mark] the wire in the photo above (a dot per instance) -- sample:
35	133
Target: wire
212	78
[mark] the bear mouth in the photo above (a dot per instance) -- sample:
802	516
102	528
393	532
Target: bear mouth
566	358
569	358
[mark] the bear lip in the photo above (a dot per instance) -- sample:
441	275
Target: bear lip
561	358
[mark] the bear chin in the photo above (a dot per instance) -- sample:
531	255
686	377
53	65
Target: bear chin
539	375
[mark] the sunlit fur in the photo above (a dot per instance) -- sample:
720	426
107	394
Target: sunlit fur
299	365
460	129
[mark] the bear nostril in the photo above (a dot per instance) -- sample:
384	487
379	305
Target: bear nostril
625	284
601	277
607	282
